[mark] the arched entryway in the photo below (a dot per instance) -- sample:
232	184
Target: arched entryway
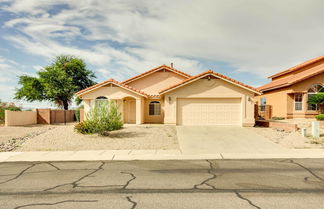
129	110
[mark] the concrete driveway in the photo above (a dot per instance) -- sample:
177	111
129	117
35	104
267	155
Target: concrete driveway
219	139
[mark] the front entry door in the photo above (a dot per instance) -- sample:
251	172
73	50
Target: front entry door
130	110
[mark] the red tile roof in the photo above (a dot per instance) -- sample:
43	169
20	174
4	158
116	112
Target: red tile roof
292	79
79	93
209	72
297	67
156	69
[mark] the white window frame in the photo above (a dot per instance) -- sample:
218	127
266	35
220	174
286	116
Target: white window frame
311	91
95	102
263	103
300	103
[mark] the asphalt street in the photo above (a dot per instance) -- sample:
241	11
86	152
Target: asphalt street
237	184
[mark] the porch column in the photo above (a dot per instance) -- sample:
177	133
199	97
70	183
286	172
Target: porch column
86	107
139	115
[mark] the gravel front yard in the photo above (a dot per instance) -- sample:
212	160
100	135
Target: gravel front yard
61	137
293	139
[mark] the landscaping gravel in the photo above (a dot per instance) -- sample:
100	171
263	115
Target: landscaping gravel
293	139
130	137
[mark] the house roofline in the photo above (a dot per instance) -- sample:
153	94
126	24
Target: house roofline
210	72
154	70
112	81
297	67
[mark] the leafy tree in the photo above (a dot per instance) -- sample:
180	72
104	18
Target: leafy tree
317	99
57	82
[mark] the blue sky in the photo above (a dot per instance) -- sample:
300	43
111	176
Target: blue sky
246	40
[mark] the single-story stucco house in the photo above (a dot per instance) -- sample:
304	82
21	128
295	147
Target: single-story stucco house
169	96
289	90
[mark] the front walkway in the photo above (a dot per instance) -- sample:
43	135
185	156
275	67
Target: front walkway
222	139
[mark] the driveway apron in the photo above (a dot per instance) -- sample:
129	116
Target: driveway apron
224	139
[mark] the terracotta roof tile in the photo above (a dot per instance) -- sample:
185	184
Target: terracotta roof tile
113	82
292	79
297	67
156	69
211	73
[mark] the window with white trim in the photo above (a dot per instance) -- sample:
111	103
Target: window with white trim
99	101
263	102
314	89
154	108
298	102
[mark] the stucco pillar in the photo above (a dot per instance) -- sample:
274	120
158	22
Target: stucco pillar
170	110
248	111
86	107
139	114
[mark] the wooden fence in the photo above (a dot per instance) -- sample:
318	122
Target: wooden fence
48	116
263	112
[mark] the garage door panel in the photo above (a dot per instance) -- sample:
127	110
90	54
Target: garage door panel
212	111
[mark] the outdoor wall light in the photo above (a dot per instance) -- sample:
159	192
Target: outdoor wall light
169	99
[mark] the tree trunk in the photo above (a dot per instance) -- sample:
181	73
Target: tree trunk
65	105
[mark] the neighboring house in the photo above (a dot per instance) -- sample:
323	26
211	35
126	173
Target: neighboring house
289	90
166	95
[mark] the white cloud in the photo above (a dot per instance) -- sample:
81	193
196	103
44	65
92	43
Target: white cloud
261	37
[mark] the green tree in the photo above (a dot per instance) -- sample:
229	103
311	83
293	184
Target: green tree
57	82
317	99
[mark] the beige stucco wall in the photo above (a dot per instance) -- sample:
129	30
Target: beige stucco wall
278	100
283	104
156	82
115	93
20	118
153	118
215	88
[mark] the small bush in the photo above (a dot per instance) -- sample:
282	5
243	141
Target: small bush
277	118
101	119
320	117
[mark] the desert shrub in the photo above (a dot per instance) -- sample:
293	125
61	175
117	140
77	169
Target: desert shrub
7	106
277	118
320	117
101	119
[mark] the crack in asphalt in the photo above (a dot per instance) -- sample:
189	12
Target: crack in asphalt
134	204
55	203
54	166
75	183
205	182
19	174
246	199
305	168
130	180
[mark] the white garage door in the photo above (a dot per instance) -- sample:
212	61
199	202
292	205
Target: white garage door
210	111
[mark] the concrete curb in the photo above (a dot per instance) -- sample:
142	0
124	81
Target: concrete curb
127	155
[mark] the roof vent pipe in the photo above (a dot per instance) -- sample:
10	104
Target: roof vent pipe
171	64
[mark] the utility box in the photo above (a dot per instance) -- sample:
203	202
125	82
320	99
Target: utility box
316	129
